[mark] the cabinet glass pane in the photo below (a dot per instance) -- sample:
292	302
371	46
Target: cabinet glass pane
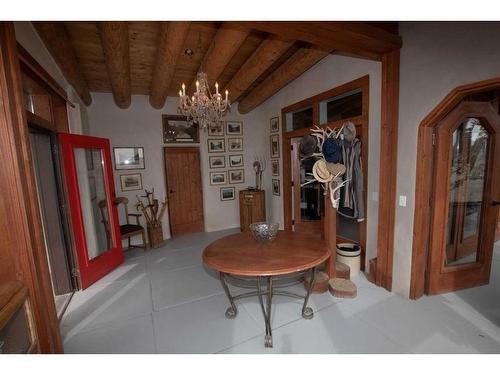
469	149
302	118
347	105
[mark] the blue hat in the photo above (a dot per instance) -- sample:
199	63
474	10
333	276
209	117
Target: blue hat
332	151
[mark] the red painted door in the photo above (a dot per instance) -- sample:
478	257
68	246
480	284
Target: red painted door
94	217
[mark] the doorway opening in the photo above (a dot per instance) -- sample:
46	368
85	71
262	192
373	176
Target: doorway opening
49	187
457	163
304	207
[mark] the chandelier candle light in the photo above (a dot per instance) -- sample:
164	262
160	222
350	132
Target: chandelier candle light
203	108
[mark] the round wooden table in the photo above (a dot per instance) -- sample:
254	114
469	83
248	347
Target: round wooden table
241	255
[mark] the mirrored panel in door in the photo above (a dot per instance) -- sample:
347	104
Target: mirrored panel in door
468	168
95	213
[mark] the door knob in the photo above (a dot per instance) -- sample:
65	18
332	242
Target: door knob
496	203
172	191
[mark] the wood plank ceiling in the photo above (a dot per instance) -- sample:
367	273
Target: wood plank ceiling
253	60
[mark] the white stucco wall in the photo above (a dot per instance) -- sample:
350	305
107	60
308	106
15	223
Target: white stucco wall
435	58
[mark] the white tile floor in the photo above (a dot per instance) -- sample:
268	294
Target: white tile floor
166	301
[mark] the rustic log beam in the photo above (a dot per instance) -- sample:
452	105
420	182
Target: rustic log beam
351	38
55	37
114	40
171	41
264	56
225	44
297	64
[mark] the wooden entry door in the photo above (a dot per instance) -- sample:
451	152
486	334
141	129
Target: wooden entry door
184	190
464	202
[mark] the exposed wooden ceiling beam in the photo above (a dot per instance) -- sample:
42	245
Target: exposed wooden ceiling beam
56	39
171	41
114	40
225	44
297	64
264	56
352	38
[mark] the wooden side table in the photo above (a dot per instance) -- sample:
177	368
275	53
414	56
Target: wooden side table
252	208
239	255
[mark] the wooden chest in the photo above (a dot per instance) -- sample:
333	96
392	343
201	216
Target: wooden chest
252	207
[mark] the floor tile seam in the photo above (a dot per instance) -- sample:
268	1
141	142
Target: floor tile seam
186	302
183	268
105	324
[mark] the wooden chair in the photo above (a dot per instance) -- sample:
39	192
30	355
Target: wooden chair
126	230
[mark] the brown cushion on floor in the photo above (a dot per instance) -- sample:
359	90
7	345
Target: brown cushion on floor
129	228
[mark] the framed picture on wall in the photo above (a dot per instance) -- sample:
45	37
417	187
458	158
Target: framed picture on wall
276	187
275	167
131	182
275	146
218	161
216	145
227	193
275	124
218	178
216	129
177	129
234	127
235	144
128	158
237	176
236	160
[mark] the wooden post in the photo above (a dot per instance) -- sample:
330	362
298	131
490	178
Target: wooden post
330	230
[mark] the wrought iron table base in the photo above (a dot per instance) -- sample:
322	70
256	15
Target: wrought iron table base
268	292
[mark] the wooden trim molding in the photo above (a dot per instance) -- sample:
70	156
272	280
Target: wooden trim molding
423	185
22	243
388	168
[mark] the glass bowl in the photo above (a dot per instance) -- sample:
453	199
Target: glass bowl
264	232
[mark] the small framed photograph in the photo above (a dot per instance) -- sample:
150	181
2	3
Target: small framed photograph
276	187
216	145
275	124
275	167
218	161
237	176
131	181
129	158
177	129
227	193
235	160
218	178
275	146
235	144
234	127
216	129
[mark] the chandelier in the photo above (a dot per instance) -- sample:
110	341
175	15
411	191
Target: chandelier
203	107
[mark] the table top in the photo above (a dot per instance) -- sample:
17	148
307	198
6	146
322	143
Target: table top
240	254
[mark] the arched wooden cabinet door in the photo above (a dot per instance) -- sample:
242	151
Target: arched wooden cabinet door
466	187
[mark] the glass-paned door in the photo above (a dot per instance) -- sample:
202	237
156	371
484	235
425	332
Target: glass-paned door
466	186
89	179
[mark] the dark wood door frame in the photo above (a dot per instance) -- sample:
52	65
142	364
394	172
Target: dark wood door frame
22	247
362	83
423	186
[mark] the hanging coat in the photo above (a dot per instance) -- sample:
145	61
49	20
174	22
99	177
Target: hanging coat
351	202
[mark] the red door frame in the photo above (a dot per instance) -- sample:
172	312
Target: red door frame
90	270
